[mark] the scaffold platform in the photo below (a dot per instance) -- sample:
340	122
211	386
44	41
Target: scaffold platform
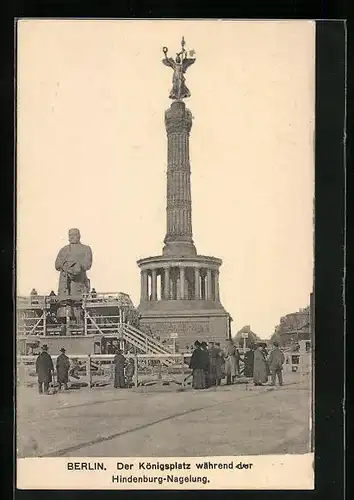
98	324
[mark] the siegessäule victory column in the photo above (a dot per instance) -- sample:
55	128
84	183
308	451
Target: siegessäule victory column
188	306
187	302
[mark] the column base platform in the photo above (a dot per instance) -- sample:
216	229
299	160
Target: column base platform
191	320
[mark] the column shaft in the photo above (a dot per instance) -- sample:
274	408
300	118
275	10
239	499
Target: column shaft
196	283
166	291
217	293
153	285
182	282
144	285
208	285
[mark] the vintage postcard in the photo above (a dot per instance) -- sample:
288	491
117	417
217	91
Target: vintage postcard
165	297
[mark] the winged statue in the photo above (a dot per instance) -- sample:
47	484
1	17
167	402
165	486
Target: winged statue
179	65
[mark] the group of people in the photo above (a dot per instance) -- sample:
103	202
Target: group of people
124	370
210	364
45	370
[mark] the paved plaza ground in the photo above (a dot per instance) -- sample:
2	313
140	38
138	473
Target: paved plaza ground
163	421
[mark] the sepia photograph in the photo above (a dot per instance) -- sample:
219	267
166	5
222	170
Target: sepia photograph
165	253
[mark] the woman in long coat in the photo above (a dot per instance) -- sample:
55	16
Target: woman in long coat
260	375
119	364
230	362
197	364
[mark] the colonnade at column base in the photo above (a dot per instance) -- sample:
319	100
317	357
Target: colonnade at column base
180	295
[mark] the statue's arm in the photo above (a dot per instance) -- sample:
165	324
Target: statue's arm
61	259
168	61
87	260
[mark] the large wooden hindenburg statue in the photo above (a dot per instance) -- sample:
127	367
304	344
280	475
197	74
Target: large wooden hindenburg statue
72	262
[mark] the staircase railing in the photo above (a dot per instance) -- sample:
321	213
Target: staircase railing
145	343
153	344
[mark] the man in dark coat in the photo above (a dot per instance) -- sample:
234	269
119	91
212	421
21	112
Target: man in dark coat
44	370
276	360
119	364
205	362
63	366
213	354
197	364
220	364
248	360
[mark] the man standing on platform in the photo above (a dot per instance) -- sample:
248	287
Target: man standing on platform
44	370
73	261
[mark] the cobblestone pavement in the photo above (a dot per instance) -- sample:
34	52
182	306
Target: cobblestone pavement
161	421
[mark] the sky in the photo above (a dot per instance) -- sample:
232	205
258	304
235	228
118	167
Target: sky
92	152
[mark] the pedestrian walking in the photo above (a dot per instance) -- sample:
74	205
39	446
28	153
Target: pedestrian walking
44	370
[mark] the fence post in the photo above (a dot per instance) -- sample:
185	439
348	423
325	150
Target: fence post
44	319
85	321
136	370
88	370
301	360
183	370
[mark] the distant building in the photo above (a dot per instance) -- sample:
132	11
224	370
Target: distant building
293	327
252	337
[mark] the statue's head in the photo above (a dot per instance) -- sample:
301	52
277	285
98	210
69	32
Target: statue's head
74	235
178	59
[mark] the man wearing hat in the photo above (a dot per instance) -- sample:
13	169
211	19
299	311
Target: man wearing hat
276	360
119	365
63	366
44	370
